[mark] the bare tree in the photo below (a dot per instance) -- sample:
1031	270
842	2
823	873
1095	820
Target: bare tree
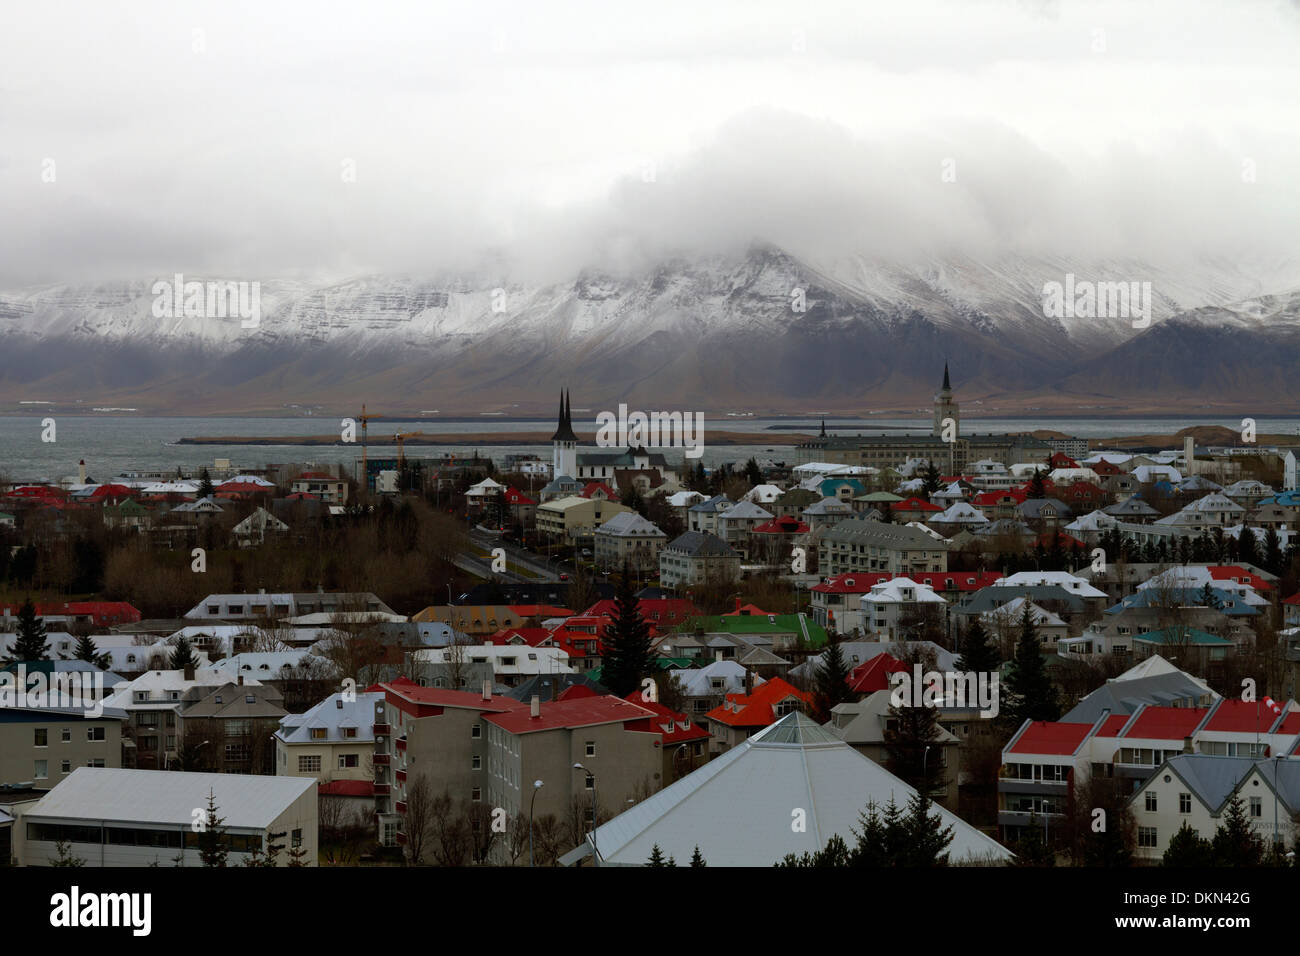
548	838
421	809
451	838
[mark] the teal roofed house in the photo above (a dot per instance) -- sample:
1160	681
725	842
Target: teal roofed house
1186	647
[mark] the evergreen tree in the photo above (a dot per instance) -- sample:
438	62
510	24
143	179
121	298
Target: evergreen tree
697	859
932	481
206	490
64	855
1235	842
87	651
927	838
30	643
1032	849
753	474
656	857
1247	552
886	513
978	653
1107	848
1036	487
912	746
1031	694
831	682
212	837
1187	849
835	854
627	654
1207	598
1272	551
183	656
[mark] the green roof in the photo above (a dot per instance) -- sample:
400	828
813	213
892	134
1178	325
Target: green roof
128	507
742	624
1182	635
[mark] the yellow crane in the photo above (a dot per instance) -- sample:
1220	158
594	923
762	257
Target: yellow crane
365	422
401	452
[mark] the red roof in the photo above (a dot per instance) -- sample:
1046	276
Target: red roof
302	496
532	636
1050	539
594	486
1242	716
748	610
540	610
1113	725
663	612
682	728
1167	723
100	612
756	710
36	491
1293	599
873	675
988	499
786	524
1231	572
513	496
418	701
1061	460
1079	490
582	712
1053	739
913	504
347	788
860	583
110	491
232	487
1290	723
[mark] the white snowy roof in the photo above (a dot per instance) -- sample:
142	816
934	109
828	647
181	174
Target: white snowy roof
901	591
961	512
333	715
244	801
1062	579
738	807
1093	521
1012	610
764	494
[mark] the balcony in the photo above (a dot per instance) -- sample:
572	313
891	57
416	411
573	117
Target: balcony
1043	788
381	729
400	806
1016	818
401	743
401	775
383	759
383	789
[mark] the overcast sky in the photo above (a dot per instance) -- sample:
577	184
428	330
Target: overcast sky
216	137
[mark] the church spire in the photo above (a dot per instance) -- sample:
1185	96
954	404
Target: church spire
946	386
564	429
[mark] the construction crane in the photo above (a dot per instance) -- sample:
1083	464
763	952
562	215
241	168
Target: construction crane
401	452
365	469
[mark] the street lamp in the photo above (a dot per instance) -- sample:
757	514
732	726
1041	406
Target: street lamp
595	853
537	785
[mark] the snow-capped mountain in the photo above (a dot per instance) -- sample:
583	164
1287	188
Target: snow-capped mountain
760	330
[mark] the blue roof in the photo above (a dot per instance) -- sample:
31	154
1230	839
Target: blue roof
1229	604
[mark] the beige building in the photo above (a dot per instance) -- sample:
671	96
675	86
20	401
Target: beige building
42	746
860	544
697	557
568	519
628	538
327	488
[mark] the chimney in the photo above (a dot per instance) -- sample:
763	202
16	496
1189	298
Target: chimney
487	690
1187	745
189	672
535	707
240	680
749	682
1189	455
738	604
81	472
338	702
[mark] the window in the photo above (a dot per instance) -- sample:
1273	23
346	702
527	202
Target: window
42	769
309	764
214	608
476	794
591	748
65	766
1147	837
591	782
348	760
390	834
319	733
476	731
1184	803
297	838
1256	806
1151	802
349	732
66	735
477	763
42	737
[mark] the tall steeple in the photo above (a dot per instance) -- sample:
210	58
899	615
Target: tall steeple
564	457
945	407
564	430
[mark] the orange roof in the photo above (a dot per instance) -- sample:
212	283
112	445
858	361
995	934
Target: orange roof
756	709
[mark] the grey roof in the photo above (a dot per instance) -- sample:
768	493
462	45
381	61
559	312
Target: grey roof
745	791
237	701
1212	778
629	524
331	715
543	685
716	504
746	509
702	544
1125	696
169	797
993	597
1131	507
1032	508
880	535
